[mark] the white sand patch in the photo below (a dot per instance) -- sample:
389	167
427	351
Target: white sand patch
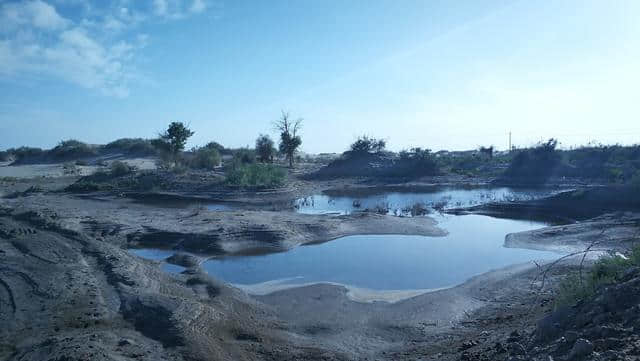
356	294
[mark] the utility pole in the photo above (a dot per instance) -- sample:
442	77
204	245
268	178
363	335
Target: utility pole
509	142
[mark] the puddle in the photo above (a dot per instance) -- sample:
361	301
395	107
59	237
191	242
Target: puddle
389	262
172	268
415	203
153	254
218	207
185	203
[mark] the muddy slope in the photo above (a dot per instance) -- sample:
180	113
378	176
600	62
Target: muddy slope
67	296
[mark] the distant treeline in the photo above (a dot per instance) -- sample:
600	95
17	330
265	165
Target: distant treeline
604	163
368	157
72	150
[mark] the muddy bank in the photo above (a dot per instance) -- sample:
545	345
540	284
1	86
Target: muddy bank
70	289
64	295
566	207
209	233
616	232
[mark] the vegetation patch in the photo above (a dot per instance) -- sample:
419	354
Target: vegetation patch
204	158
256	176
132	146
607	270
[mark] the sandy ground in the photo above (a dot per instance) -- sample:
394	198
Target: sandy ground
68	287
58	169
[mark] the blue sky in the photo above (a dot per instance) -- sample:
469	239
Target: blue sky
436	74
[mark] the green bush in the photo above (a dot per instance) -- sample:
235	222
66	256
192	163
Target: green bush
635	180
607	270
365	144
243	156
24	153
119	168
256	176
72	149
205	158
5	156
84	187
132	146
70	169
535	164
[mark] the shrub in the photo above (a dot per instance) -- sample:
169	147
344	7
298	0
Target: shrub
205	158
536	164
72	148
243	156
5	156
256	176
132	146
415	162
83	187
70	169
217	146
179	168
607	270
265	149
364	144
119	168
635	180
24	153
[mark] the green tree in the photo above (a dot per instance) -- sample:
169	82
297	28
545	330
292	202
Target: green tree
265	148
290	141
174	139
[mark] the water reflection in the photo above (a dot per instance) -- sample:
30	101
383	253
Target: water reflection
390	262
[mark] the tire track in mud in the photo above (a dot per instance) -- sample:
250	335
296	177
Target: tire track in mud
35	287
24	249
12	300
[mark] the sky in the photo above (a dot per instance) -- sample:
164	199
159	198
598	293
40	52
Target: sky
437	74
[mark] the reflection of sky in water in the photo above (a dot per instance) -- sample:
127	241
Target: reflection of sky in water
389	262
218	207
395	202
150	253
172	268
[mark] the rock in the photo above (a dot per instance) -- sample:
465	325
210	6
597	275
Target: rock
610	355
516	349
125	342
630	273
601	318
499	348
467	345
571	337
514	337
581	349
611	342
548	328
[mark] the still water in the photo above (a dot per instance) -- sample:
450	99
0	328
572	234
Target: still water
390	262
401	203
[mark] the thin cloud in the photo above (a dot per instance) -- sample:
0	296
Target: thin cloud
198	6
95	50
36	13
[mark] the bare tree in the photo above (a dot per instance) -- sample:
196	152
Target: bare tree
289	138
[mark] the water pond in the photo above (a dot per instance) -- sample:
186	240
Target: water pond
389	262
415	203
